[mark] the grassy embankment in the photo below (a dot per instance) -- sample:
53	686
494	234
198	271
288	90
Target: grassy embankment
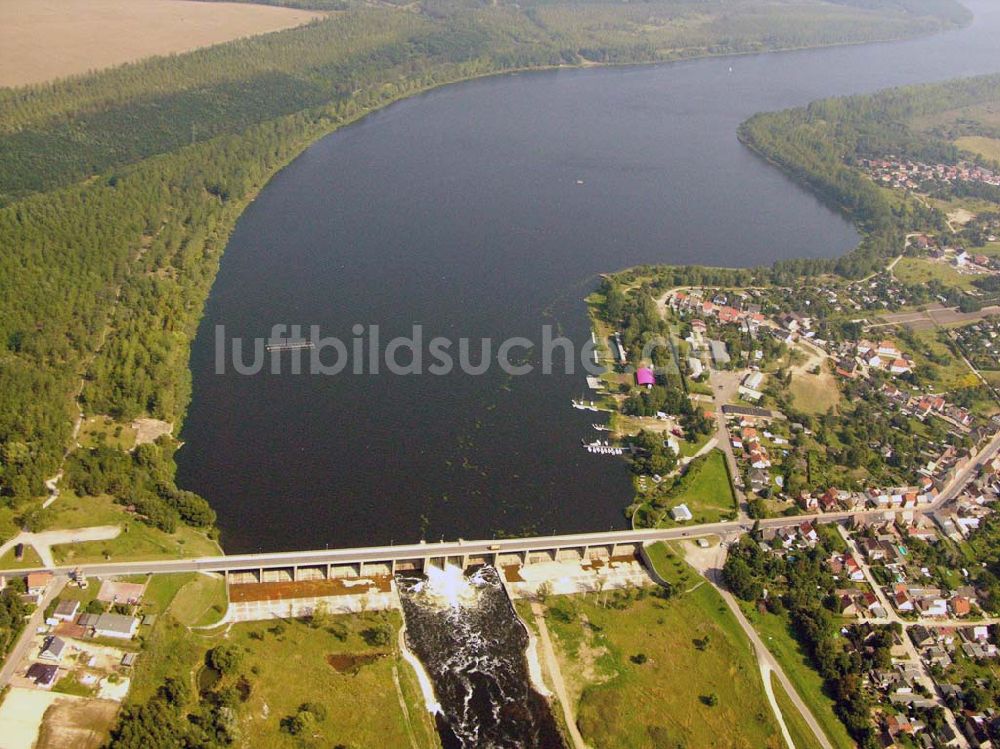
364	705
624	653
802	735
776	633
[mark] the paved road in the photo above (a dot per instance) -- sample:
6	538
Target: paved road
23	644
445	548
768	665
726	385
487	546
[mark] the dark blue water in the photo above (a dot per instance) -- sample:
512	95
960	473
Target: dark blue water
460	210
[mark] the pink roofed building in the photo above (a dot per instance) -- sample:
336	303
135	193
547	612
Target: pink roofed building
644	377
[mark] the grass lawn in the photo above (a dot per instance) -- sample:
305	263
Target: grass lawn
103	430
31	560
988	148
990	248
706	490
8	528
201	602
802	735
689	449
71	592
815	394
660	673
919	271
774	630
137	540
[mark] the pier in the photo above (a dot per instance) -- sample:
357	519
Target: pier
289	344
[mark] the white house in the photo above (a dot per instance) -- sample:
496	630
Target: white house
116	625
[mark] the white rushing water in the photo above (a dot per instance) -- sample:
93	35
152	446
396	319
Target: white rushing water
483	679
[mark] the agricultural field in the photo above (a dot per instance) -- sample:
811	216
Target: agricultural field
624	653
47	39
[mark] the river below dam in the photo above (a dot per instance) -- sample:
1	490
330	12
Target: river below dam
487	210
471	643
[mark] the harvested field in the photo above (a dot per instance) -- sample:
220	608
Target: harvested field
250	592
77	724
46	39
21	715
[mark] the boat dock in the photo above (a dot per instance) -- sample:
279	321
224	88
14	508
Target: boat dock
604	448
288	344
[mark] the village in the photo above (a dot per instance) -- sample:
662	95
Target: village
912	573
892	171
76	667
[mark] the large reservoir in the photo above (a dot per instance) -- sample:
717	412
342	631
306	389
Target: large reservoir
487	210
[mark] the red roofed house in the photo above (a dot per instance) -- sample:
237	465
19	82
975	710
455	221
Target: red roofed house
960	606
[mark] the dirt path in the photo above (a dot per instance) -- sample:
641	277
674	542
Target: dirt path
765	675
44	541
402	706
558	685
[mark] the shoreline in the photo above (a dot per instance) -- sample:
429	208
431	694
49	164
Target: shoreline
319	131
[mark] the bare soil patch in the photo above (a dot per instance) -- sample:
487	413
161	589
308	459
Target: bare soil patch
149	430
46	39
351	663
